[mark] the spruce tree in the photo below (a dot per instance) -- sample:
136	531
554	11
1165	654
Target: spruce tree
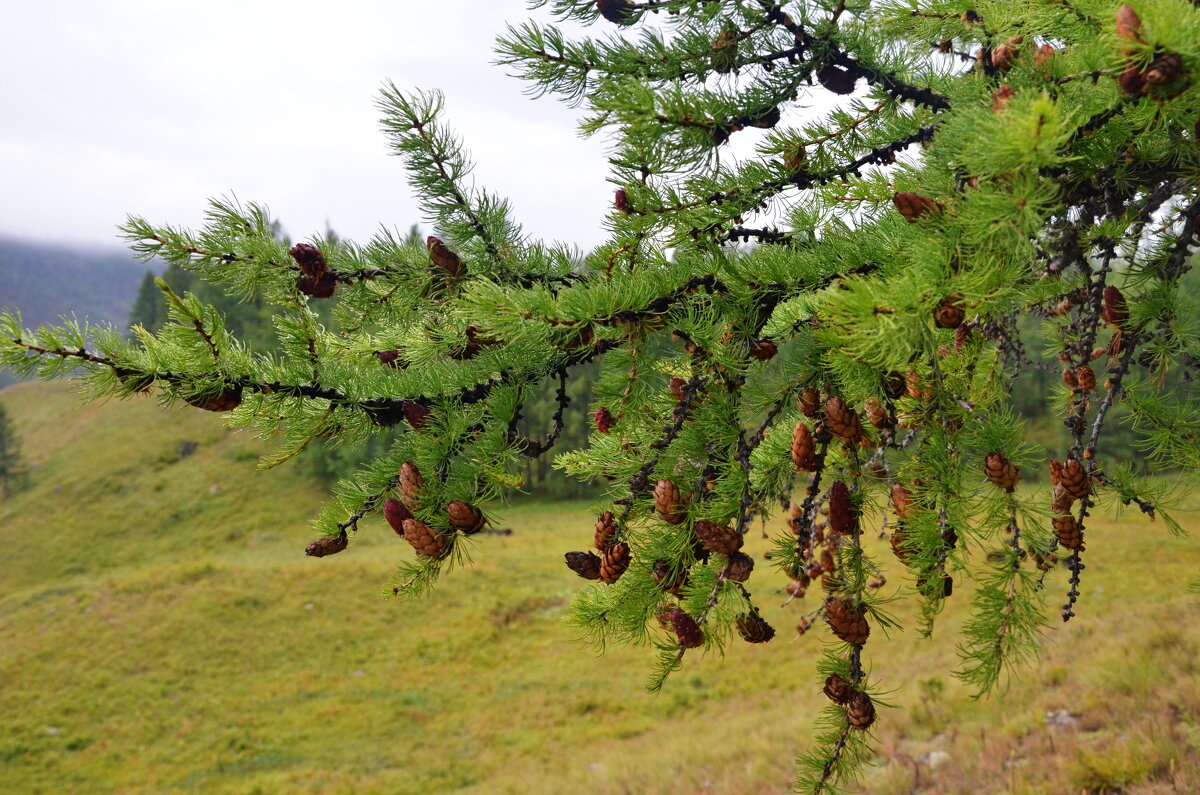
831	323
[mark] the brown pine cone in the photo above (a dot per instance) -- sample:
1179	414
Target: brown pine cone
810	403
1087	378
837	79
795	160
604	420
754	629
797	588
739	567
878	415
1067	530
842	421
828	564
804	449
427	541
309	259
1129	25
1069	378
916	388
847	622
443	257
895	385
412	485
913	206
1164	70
1056	472
416	414
677	385
841	509
1005	55
1074	479
899	541
1043	55
837	689
763	350
686	629
615	11
329	545
323	286
225	400
1000	472
1001	96
585	564
860	711
606	528
950	314
902	501
1132	81
395	512
671	581
1116	310
804	626
466	518
621	201
671	506
615	562
717	538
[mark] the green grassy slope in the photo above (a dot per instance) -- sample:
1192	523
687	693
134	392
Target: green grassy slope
161	631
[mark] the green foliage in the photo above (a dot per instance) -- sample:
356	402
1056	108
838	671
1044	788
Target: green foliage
13	472
992	179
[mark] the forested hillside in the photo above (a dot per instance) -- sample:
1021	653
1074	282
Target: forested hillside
45	281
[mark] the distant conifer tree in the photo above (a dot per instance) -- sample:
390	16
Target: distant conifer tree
924	177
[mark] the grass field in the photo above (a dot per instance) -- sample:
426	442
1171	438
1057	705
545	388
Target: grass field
162	631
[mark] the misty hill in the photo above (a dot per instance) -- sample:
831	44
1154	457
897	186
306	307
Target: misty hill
46	280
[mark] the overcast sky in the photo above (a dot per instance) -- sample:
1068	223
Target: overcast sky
152	107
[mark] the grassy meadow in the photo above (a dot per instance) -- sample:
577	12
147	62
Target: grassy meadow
162	631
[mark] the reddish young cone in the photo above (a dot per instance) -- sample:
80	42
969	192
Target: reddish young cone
395	512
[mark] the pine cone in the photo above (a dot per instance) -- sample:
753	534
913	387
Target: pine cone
1129	25
1074	479
428	542
621	201
443	257
804	626
842	421
686	629
1005	55
1115	311
902	501
1001	96
796	160
860	711
841	509
1067	530
899	542
837	689
804	450
828	564
388	357
718	538
754	629
309	258
847	622
677	385
810	403
763	350
416	414
412	485
878	415
913	206
1000	472
672	580
606	528
837	79
1043	55
671	506
1131	81
604	420
615	562
739	567
615	11
895	385
797	588
322	286
1069	379
329	545
585	564
395	512
466	518
1087	378
225	400
949	314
